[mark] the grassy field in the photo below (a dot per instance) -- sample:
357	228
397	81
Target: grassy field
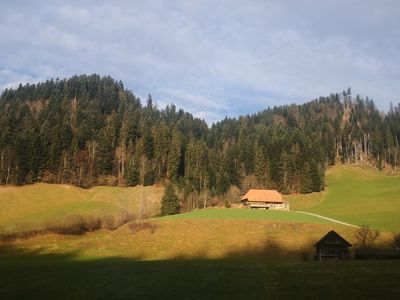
69	277
304	201
354	195
192	259
357	196
211	253
247	214
191	238
35	204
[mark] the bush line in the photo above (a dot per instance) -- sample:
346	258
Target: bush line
71	225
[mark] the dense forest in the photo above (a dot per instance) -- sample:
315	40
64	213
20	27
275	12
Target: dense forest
90	130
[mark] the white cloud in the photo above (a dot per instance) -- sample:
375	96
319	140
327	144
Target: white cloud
211	58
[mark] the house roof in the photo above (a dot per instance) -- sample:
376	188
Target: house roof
332	237
255	195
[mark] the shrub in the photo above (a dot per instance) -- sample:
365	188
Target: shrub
93	223
111	222
136	227
108	222
305	255
7	236
108	180
226	204
75	225
149	178
48	177
396	241
122	219
366	237
71	225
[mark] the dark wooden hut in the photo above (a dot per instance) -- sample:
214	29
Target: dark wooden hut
332	246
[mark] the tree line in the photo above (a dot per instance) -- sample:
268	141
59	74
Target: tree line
91	130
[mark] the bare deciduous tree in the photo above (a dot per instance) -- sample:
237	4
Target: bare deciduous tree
396	241
366	237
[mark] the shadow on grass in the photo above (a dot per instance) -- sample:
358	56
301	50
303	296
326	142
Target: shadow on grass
267	273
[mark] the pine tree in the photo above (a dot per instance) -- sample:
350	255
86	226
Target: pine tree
107	141
246	154
315	177
222	182
148	143
169	201
261	169
306	184
149	102
231	166
132	174
174	154
22	158
283	173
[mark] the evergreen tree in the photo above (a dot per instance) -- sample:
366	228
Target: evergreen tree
306	183
132	174
261	169
79	129
315	175
107	140
284	173
174	155
222	182
22	159
169	201
149	102
148	143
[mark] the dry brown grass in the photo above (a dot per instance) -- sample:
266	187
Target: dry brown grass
198	239
69	225
39	203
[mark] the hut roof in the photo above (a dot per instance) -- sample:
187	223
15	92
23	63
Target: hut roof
255	195
332	237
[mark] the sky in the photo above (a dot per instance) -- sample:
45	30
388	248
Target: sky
211	58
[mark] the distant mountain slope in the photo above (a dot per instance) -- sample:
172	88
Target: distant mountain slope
90	130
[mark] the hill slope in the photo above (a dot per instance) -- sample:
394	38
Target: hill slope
91	130
210	252
35	204
354	195
361	196
158	264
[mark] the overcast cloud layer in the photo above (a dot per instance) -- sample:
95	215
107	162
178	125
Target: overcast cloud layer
212	58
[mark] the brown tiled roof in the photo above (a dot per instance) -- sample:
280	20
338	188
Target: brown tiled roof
263	195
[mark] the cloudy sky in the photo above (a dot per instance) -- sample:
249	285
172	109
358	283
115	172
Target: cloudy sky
212	58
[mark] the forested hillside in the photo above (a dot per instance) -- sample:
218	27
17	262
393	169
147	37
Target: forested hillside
90	130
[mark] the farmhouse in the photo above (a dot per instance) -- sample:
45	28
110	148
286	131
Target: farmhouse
332	246
267	199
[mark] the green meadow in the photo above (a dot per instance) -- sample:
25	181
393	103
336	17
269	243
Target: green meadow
357	196
354	195
213	253
247	214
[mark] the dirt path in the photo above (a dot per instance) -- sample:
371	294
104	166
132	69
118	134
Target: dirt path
326	218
